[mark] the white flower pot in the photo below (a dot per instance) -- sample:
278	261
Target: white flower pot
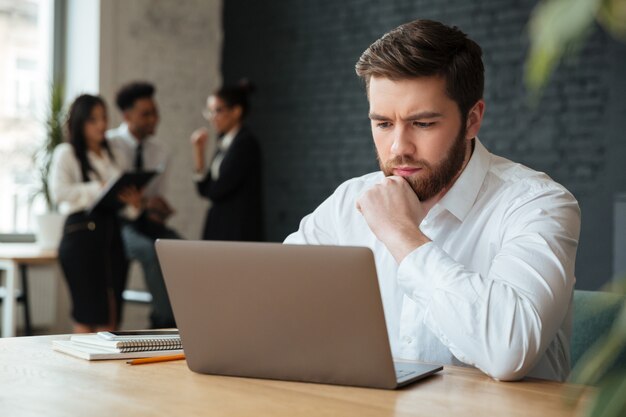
49	230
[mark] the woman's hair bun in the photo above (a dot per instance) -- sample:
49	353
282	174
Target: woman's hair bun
246	85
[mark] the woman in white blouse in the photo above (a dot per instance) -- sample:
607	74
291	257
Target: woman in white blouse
91	252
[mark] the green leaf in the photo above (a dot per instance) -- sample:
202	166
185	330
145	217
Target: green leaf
54	136
612	16
610	399
556	28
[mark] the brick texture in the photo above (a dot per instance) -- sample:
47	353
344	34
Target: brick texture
310	110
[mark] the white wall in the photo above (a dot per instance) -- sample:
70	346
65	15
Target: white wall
177	46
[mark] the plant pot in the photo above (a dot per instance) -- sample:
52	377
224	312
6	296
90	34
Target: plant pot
49	230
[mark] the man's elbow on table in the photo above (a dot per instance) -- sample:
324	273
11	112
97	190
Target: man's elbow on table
508	367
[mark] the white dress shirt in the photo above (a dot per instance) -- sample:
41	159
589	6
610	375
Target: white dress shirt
155	157
67	187
494	287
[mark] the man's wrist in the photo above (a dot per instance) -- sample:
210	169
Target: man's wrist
405	243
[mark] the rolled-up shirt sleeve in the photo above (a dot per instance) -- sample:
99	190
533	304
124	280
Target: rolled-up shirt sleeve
502	321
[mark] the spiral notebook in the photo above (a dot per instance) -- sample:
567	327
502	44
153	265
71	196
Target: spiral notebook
95	353
94	347
130	344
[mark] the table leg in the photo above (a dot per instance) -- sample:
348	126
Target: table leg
28	329
8	304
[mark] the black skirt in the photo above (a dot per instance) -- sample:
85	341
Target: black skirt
92	257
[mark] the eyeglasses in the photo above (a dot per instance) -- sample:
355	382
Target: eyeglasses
209	114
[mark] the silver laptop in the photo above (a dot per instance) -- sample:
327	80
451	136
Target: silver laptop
288	312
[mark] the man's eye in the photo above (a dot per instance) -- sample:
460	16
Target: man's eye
423	125
383	125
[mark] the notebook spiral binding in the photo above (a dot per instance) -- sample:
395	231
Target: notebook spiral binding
148	344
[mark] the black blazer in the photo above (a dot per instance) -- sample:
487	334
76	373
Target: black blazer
236	212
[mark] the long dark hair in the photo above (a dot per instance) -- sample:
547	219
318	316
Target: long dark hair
237	95
80	112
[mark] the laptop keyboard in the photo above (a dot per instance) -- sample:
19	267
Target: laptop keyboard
403	373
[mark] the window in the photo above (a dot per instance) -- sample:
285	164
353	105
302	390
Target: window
26	39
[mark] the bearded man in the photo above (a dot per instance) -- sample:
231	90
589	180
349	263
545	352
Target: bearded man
475	254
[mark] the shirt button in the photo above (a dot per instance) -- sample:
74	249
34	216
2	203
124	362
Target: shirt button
407	340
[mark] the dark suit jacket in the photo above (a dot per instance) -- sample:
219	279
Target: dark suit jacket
236	213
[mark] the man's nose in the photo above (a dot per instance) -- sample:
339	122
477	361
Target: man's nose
402	142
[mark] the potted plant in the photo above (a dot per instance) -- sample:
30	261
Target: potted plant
557	29
50	223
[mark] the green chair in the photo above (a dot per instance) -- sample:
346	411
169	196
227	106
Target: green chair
594	314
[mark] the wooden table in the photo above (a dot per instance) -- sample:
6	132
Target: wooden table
37	381
16	257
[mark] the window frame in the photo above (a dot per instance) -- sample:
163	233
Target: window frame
59	33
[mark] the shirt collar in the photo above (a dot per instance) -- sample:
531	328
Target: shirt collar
228	138
461	197
124	132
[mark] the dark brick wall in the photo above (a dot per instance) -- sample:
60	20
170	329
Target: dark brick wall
310	110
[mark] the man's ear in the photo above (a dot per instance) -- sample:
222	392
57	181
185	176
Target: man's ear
475	119
126	115
238	111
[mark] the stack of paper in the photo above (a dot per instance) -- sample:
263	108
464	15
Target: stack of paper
96	347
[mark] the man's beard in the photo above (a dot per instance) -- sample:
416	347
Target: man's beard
432	179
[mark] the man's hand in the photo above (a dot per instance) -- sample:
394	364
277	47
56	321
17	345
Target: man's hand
393	213
131	196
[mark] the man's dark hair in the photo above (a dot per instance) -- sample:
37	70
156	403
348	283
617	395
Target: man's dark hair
128	94
425	48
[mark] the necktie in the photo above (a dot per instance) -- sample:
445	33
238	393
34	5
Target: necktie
139	157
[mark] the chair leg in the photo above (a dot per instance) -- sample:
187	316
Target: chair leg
28	329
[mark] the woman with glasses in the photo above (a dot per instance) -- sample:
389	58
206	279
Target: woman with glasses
231	180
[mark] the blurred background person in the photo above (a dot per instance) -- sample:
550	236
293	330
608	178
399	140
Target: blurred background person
134	140
91	252
232	179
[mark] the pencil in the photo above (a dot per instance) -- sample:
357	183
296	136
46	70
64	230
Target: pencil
154	359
